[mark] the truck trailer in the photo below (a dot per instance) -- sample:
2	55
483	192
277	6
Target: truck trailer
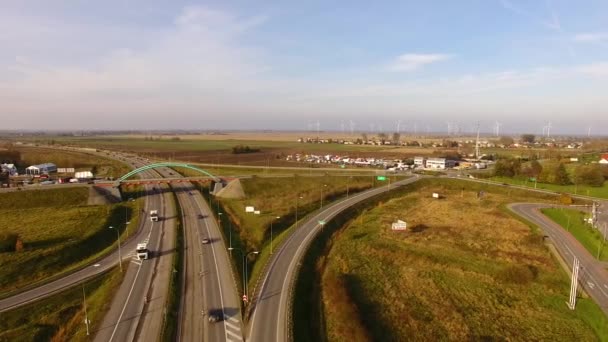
154	215
142	251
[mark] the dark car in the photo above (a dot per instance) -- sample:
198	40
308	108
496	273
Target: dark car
201	216
216	316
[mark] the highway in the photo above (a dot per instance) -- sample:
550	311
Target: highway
592	274
210	284
271	317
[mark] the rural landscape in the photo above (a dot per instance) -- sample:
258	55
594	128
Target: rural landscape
284	171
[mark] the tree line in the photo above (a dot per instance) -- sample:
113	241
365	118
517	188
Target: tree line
552	172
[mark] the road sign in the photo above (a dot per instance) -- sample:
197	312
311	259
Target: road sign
381	178
245	298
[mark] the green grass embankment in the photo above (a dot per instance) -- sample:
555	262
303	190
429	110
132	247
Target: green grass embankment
581	190
59	234
61	316
572	221
452	276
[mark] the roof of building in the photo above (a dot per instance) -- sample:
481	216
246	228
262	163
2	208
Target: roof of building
42	166
440	160
604	156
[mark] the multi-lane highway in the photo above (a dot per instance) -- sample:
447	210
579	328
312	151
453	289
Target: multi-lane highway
138	308
592	275
271	319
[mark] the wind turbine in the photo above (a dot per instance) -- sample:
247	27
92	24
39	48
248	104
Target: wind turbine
352	127
497	128
398	126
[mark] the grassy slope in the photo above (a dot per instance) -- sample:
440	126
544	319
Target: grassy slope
601	192
572	220
470	271
59	233
61	316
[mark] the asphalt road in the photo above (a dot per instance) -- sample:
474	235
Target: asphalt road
271	319
209	281
592	274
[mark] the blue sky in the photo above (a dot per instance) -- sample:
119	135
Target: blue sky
285	65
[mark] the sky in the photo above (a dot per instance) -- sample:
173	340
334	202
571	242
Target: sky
377	66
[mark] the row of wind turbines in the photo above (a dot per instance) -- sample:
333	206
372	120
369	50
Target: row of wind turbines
400	127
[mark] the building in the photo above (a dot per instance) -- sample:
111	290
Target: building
604	159
41	169
83	175
439	163
11	169
420	162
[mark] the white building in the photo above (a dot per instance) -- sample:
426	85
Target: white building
83	175
439	163
41	169
11	169
419	162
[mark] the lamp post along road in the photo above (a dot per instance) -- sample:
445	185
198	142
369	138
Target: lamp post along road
119	254
271	235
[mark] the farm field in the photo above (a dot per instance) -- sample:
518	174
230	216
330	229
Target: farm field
464	270
57	232
572	221
60	317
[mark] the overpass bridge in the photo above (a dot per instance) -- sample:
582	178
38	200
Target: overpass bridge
113	187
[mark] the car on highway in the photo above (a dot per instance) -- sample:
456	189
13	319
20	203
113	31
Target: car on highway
190	193
205	241
201	216
215	316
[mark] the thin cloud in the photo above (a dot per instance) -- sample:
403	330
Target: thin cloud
411	62
591	37
552	23
599	69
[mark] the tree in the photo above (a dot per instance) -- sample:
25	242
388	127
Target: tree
382	137
589	174
554	173
396	138
507	141
528	138
507	167
532	169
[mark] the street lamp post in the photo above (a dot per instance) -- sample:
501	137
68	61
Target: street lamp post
118	242
245	291
278	217
324	185
86	316
245	280
297	197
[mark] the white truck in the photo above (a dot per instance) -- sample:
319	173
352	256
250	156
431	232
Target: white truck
154	215
142	251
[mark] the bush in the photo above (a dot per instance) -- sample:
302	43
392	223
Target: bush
238	149
8	242
518	274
